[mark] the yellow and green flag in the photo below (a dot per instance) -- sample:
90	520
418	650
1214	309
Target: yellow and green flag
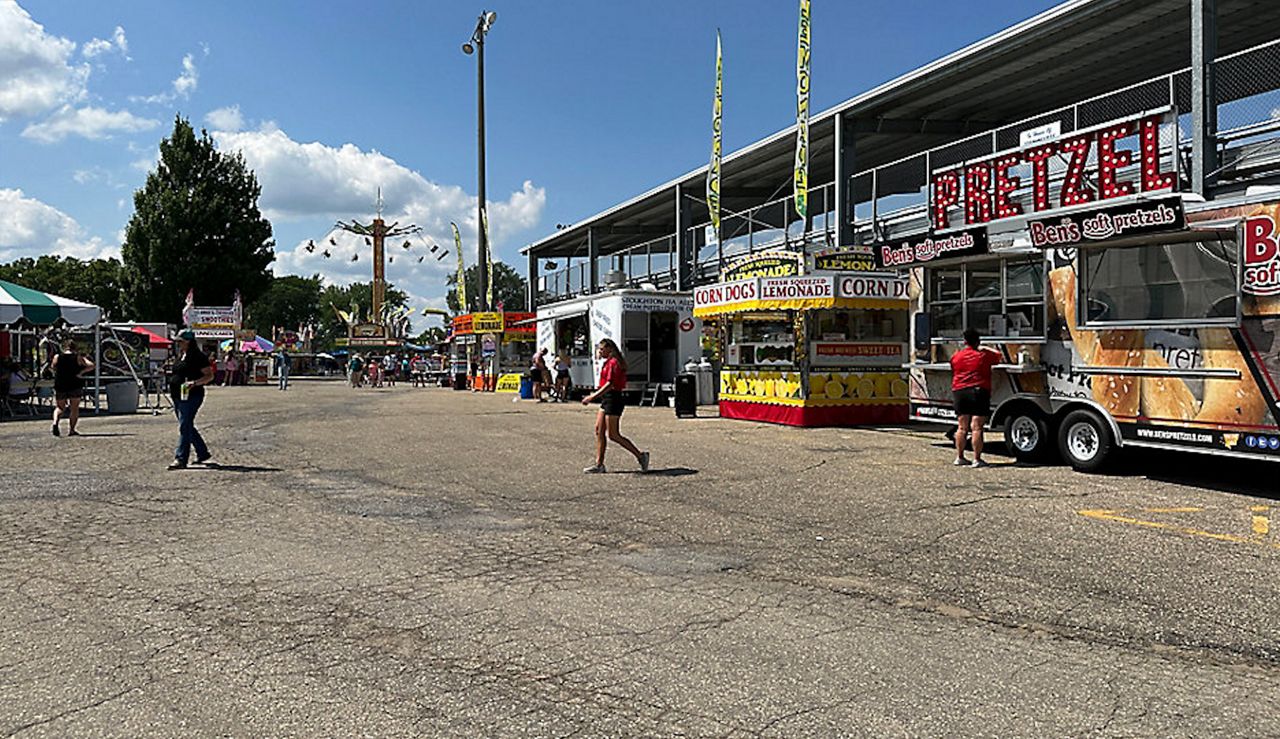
462	270
801	175
713	171
484	223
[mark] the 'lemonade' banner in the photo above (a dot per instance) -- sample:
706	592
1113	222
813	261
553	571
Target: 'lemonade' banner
462	272
713	171
801	175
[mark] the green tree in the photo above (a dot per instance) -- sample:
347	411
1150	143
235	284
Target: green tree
195	224
508	288
289	302
95	281
331	326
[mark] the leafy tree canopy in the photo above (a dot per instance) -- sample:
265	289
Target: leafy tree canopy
95	281
508	288
195	224
289	302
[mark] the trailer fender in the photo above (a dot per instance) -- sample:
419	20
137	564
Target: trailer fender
1007	407
1087	404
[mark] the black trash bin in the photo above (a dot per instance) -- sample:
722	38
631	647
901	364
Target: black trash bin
460	381
686	396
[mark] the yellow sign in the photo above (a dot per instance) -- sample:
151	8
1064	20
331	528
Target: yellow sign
486	323
825	388
508	383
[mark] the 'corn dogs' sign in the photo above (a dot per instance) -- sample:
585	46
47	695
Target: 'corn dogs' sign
1123	157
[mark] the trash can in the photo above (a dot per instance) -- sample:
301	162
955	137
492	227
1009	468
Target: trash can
122	397
686	395
460	381
526	387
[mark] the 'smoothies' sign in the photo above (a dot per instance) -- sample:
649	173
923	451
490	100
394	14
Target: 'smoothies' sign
1122	157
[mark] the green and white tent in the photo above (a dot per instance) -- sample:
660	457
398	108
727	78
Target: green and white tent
20	305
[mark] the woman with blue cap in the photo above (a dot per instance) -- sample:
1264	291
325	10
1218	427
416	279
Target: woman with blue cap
186	386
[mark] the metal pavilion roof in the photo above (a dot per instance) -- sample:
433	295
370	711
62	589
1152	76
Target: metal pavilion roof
1073	51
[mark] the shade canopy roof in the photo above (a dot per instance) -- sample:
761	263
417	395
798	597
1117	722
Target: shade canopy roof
22	305
1071	52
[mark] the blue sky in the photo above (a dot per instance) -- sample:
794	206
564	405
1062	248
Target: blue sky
589	103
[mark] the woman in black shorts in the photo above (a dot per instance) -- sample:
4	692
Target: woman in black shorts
613	380
69	367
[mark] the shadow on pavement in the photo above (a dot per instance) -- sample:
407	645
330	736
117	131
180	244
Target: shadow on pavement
101	434
240	467
668	472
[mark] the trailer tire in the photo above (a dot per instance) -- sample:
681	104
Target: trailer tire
1026	435
1085	441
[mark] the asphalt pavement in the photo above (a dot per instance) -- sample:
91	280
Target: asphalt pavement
402	562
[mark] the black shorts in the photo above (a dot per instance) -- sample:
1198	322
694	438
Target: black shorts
972	401
563	375
611	402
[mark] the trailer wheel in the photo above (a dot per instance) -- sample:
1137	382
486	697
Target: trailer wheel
1085	441
1027	435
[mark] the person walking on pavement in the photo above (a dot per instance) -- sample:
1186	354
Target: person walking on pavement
356	370
613	380
563	379
283	364
538	373
69	367
186	386
971	392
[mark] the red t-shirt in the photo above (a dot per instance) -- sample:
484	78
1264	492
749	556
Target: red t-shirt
611	375
972	368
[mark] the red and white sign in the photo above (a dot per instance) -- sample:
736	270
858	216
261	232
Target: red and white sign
861	353
726	293
797	288
871	285
989	189
1261	256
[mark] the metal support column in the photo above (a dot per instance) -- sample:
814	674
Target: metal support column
593	261
843	183
1204	97
531	288
684	242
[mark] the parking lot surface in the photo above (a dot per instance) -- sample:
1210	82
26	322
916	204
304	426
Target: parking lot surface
425	562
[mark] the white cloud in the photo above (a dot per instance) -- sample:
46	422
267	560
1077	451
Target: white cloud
88	122
314	181
99	46
186	82
225	119
182	86
30	228
35	70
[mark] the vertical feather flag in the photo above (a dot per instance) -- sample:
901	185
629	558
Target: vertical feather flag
713	170
462	271
484	223
801	174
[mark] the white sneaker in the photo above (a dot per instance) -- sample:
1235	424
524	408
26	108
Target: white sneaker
644	461
979	463
961	462
595	469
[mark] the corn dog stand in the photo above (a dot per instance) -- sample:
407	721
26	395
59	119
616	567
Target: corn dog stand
811	349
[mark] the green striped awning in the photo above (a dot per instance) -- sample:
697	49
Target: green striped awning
20	304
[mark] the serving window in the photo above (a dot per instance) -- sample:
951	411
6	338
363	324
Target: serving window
768	341
1000	298
1191	282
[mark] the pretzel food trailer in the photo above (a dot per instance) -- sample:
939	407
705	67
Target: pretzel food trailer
1127	313
815	349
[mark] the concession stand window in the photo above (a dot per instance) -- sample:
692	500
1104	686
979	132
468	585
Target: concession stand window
1182	283
1001	298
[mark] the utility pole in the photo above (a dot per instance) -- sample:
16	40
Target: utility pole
476	45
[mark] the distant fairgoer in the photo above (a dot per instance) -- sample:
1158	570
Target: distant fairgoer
68	385
971	390
230	366
356	369
283	364
538	374
613	381
563	380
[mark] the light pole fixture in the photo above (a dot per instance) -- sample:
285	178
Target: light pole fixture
476	45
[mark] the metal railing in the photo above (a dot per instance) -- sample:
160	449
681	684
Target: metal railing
891	200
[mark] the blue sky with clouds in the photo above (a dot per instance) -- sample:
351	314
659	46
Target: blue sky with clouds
589	103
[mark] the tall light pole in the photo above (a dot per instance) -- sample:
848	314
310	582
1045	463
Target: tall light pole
476	45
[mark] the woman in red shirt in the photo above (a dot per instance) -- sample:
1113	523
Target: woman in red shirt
613	380
971	390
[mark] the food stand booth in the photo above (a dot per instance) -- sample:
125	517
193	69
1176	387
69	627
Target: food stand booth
822	348
491	350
